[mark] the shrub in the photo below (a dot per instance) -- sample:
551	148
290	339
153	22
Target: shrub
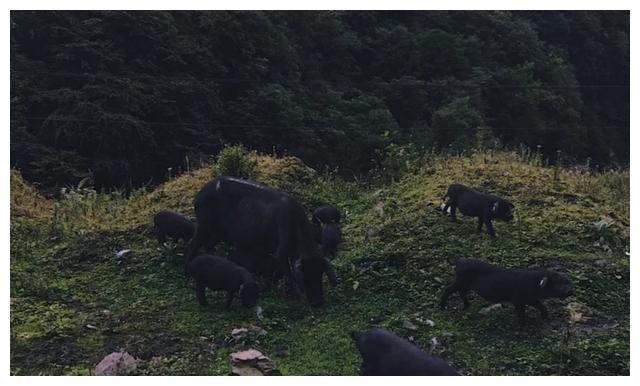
236	161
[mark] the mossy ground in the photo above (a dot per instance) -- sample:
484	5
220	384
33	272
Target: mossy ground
72	303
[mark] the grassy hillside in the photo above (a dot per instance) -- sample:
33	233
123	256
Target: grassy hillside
73	302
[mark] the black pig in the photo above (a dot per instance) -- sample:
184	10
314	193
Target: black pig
174	225
263	266
331	237
326	214
384	353
246	214
477	204
521	287
316	230
219	274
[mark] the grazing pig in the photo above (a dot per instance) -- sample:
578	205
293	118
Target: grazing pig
521	287
174	225
219	274
326	214
246	214
477	204
384	353
331	237
261	265
316	230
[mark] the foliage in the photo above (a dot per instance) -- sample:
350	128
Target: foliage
26	201
122	96
236	161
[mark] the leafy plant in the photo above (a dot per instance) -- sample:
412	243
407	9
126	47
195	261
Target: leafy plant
236	161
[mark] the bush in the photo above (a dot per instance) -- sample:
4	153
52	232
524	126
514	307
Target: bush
236	161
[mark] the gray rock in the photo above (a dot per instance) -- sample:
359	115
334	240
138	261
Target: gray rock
409	325
117	363
252	362
491	308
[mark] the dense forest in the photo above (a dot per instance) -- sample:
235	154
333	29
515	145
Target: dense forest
124	96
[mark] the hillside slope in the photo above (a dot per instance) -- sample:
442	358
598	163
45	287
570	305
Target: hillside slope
73	302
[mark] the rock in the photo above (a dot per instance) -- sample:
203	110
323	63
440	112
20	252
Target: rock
249	355
244	370
257	330
91	327
600	263
239	334
578	313
604	222
491	308
587	329
434	343
259	313
117	363
409	325
252	362
123	253
368	234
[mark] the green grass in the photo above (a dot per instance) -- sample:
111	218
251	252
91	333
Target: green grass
72	303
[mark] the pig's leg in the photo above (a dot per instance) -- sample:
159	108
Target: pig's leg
200	287
198	240
463	296
446	207
480	221
453	212
283	256
490	229
543	310
161	236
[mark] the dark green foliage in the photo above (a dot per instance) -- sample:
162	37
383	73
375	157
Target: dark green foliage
124	95
236	161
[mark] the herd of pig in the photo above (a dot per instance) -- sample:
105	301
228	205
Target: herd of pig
272	237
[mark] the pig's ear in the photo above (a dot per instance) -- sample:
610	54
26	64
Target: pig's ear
543	282
495	207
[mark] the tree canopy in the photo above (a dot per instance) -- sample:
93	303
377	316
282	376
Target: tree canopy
124	95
